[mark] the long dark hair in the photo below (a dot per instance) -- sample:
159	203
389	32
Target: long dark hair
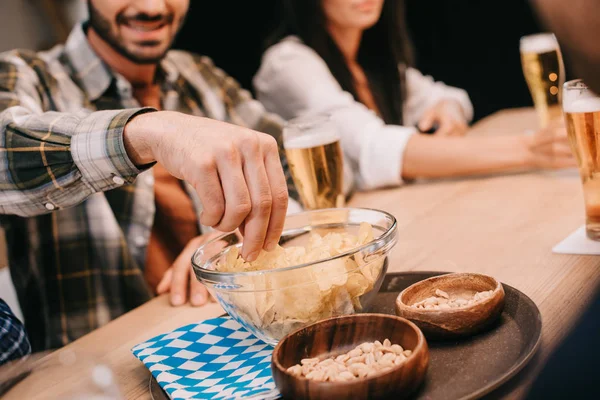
383	51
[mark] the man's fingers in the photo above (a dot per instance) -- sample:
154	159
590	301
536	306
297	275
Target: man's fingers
198	292
257	222
165	282
279	196
235	189
210	193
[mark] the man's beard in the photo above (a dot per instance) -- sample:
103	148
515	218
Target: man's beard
102	27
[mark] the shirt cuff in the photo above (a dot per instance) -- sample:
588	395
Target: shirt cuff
381	162
99	152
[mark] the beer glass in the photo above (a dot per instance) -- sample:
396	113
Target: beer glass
544	72
582	115
312	147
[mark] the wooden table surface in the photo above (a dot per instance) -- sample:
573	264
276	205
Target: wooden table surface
503	226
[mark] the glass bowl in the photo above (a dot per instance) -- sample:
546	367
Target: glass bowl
272	303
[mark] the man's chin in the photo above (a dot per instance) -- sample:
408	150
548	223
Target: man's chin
144	56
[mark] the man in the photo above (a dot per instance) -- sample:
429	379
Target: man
87	240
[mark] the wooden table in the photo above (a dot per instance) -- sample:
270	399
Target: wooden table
504	226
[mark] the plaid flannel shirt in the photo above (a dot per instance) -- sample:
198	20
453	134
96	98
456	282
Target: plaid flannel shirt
13	339
77	220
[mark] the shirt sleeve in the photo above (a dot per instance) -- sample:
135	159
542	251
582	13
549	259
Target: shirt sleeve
422	92
294	81
51	160
14	342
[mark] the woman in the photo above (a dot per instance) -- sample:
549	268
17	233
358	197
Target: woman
346	58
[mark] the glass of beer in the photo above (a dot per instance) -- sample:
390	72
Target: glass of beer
545	74
312	147
582	115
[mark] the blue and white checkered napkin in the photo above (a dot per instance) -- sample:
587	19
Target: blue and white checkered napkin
213	359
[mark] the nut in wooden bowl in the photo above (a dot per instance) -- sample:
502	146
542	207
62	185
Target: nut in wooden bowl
403	359
452	305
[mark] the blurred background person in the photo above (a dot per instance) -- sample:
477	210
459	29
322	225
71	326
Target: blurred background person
347	58
14	342
570	370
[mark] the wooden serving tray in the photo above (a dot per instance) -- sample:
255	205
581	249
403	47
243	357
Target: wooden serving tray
465	368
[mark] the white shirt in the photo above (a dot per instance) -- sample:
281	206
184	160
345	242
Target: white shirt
293	80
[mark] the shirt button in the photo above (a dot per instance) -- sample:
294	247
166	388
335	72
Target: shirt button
50	206
149	180
139	241
118	180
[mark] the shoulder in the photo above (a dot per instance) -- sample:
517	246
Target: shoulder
28	65
23	58
290	48
291	58
183	59
188	63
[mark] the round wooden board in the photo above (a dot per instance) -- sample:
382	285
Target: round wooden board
466	368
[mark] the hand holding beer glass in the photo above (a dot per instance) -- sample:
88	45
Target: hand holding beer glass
312	147
582	115
545	74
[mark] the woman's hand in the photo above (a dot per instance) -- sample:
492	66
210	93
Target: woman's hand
448	116
549	147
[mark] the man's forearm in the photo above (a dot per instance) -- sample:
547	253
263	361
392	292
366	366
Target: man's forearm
87	156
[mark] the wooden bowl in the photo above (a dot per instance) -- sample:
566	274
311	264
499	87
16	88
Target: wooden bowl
454	322
339	335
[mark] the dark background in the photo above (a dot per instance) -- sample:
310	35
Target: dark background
472	44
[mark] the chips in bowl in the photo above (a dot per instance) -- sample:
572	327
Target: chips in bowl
293	298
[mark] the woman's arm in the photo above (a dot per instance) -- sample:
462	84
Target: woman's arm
437	157
293	80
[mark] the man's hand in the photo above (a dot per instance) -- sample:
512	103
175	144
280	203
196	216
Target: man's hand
448	116
236	171
180	279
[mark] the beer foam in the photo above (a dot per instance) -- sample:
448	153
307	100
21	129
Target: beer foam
585	105
540	43
312	139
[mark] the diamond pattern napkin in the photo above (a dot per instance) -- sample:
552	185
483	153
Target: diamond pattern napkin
213	359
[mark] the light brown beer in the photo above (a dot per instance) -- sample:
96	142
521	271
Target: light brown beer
316	165
544	72
583	126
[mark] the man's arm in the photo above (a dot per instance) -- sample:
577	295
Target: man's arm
51	160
